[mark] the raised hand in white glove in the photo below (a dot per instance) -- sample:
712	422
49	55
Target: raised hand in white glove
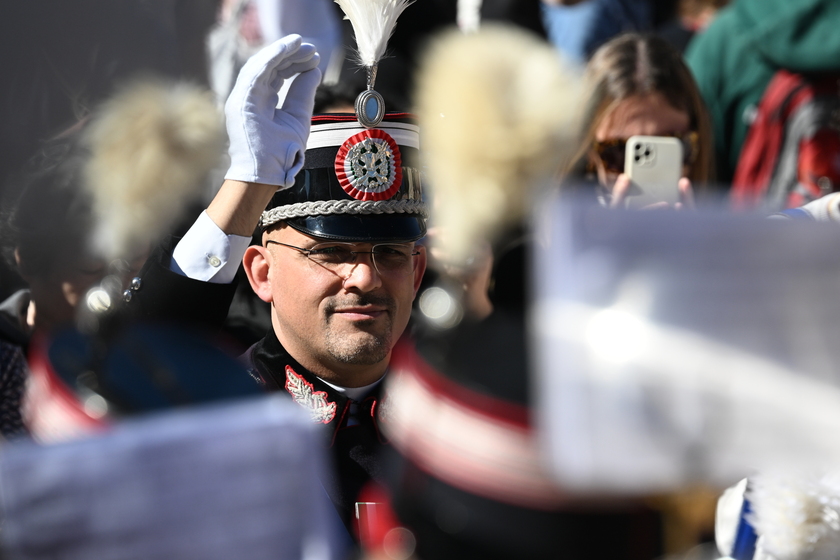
267	143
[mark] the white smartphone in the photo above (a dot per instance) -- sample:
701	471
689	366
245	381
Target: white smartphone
654	165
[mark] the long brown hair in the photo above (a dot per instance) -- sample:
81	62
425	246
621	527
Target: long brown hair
634	64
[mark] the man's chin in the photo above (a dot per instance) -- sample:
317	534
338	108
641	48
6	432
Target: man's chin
360	348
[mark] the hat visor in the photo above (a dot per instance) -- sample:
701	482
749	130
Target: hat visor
367	227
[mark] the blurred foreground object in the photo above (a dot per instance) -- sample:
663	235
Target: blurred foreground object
498	113
775	516
93	202
81	384
680	349
151	145
125	176
233	481
823	209
469	480
465	474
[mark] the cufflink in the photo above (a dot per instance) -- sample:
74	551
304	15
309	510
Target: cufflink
136	284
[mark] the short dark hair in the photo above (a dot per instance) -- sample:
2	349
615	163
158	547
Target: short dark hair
328	96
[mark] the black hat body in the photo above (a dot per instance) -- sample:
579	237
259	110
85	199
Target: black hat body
357	183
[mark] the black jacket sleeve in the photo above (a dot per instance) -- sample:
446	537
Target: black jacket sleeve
158	294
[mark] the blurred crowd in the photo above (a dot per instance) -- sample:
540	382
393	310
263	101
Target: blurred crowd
379	279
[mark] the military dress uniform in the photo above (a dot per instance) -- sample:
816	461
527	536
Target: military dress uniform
327	204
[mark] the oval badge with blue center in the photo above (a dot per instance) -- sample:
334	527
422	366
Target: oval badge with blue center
369	165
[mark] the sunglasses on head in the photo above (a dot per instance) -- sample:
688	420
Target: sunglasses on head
611	152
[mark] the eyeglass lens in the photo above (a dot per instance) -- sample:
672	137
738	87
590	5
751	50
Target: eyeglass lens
386	258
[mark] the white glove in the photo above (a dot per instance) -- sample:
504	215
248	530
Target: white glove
266	143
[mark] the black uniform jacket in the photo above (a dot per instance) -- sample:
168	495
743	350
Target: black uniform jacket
351	430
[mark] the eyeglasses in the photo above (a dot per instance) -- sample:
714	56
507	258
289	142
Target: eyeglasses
389	259
611	152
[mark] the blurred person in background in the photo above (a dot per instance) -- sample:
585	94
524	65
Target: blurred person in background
87	212
638	84
62	59
579	27
245	26
692	17
48	231
46	240
48	235
734	59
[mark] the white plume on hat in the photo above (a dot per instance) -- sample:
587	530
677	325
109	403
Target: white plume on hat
151	145
796	517
497	112
373	24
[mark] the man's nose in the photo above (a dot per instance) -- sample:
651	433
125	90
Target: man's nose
361	274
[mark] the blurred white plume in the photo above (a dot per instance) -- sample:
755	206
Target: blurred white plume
151	145
796	517
373	24
497	111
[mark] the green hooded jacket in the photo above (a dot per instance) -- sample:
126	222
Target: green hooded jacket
737	55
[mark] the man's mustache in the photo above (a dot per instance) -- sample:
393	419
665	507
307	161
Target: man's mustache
360	300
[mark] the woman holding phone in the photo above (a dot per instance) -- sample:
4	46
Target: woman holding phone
639	85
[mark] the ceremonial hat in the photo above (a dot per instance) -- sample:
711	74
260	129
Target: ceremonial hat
360	180
358	183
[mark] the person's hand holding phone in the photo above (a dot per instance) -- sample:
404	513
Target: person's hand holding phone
623	188
652	178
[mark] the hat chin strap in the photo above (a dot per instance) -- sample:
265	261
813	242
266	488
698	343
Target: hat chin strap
332	207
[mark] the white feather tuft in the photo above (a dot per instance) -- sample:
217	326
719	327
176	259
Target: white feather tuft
151	146
796	517
498	112
373	24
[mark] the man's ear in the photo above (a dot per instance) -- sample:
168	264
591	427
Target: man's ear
420	269
257	263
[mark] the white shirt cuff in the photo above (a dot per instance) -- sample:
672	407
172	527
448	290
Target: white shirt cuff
206	253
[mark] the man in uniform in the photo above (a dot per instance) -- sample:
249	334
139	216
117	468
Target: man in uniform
338	261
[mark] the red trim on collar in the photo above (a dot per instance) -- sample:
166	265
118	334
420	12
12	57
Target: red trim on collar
375	408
